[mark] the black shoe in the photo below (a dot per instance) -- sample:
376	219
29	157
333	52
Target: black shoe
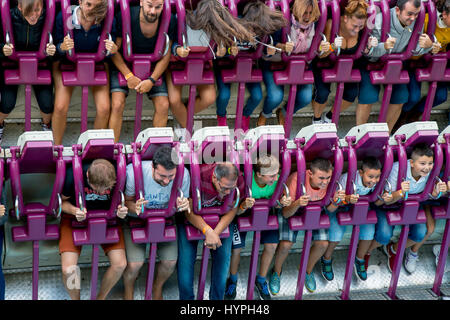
230	290
263	290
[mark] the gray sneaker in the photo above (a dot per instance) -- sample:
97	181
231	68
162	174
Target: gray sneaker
46	127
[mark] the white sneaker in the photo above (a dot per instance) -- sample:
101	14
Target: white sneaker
46	127
436	252
317	121
411	261
325	119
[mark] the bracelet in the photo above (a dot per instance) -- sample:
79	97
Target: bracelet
336	203
152	80
128	76
205	228
331	48
240	207
401	193
229	50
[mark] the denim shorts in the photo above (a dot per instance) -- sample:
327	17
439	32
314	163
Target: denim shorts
156	91
336	231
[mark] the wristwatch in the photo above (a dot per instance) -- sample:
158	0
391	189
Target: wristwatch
152	80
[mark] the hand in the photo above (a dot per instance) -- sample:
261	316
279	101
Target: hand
354	198
144	86
182	52
389	43
2	210
221	51
111	46
212	240
133	82
339	195
8	50
338	41
80	215
67	44
439	187
183	204
448	186
405	186
270	51
303	200
324	47
122	211
248	203
288	47
372	42
387	197
50	49
436	47
234	50
425	41
141	202
285	201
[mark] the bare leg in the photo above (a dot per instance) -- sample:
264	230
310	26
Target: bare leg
103	106
317	250
363	113
116	117
46	117
118	263
235	260
161	114
70	276
266	258
393	113
63	95
363	248
129	278
329	252
431	224
281	255
318	108
164	270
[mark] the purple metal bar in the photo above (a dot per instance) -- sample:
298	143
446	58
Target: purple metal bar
350	261
303	264
398	262
295	72
202	276
253	264
442	259
151	272
94	271
35	270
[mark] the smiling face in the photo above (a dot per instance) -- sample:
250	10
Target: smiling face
151	10
32	11
370	177
162	176
421	166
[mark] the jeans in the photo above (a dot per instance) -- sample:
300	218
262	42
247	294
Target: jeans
415	102
368	92
187	252
322	90
223	96
2	277
275	94
384	231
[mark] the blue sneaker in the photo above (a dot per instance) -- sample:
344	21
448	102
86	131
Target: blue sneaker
263	290
327	269
310	282
360	269
274	282
230	290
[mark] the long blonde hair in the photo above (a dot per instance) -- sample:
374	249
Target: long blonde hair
300	6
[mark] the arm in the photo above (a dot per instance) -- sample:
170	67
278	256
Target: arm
324	46
292	209
69	208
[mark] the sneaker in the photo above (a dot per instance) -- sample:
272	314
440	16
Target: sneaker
2	129
310	282
274	282
316	121
325	119
46	127
230	290
327	269
360	269
263	290
387	249
436	252
366	261
410	261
